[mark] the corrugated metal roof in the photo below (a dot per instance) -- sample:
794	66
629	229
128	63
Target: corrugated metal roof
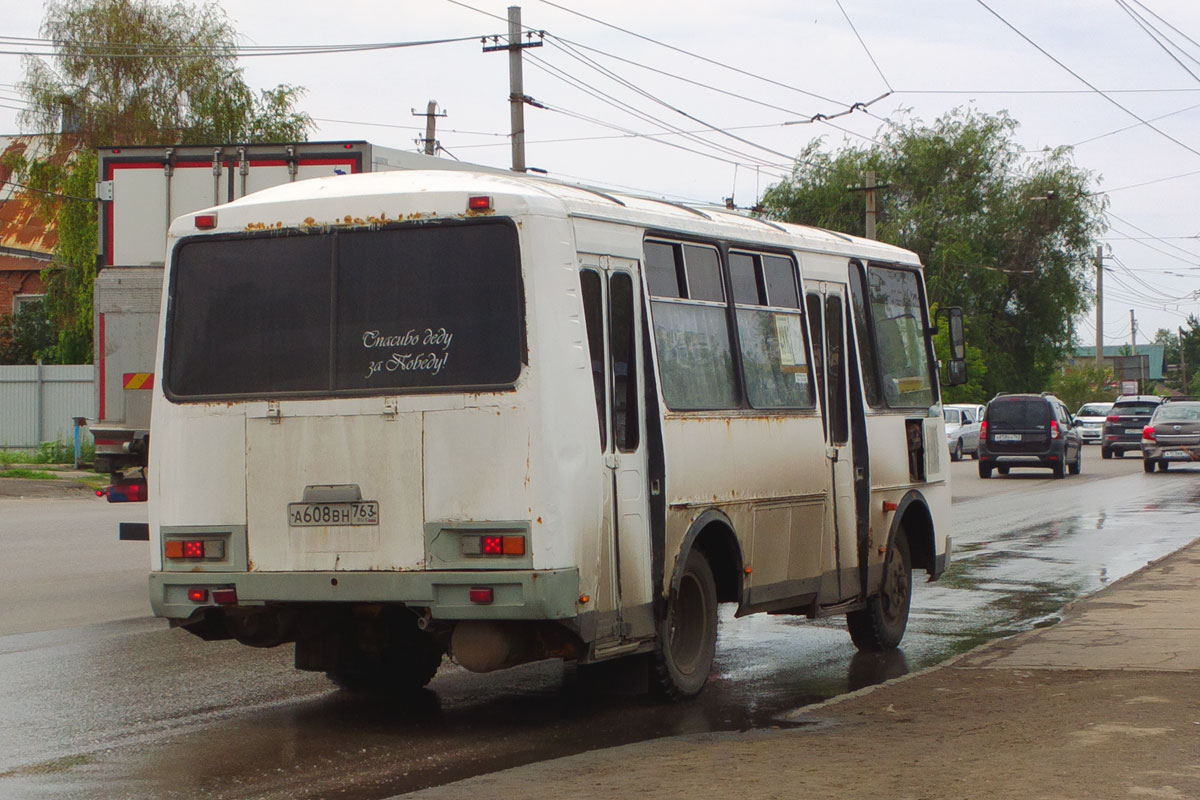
22	228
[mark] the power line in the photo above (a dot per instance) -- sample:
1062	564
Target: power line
1083	80
864	46
117	49
689	53
655	99
1155	35
625	108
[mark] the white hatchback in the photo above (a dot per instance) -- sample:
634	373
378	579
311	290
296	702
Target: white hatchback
1090	419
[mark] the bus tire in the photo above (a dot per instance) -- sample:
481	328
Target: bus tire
881	624
687	634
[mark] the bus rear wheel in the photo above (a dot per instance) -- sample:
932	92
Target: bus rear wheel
687	635
881	624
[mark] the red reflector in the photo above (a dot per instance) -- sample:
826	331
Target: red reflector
198	595
482	596
491	546
480	203
193	549
225	597
206	222
130	492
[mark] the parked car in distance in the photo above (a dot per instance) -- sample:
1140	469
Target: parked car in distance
1173	435
1028	430
962	429
1123	426
1090	421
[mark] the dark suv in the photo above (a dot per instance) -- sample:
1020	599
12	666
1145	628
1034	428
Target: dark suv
1126	419
1028	430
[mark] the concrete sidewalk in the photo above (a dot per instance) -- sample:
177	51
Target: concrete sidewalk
1105	704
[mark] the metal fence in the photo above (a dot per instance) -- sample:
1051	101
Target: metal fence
39	403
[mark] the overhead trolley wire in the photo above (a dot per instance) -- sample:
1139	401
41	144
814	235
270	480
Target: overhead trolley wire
1082	79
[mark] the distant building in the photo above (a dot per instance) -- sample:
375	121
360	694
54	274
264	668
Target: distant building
1147	362
27	240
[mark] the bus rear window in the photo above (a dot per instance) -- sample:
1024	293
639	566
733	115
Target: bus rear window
402	309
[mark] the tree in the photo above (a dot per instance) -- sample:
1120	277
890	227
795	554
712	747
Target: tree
26	335
1083	383
142	72
130	72
1170	342
1007	237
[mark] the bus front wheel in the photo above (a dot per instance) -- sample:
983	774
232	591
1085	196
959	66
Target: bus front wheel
687	635
880	625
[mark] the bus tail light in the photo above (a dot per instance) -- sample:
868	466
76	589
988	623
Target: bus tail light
1149	434
192	549
198	595
493	544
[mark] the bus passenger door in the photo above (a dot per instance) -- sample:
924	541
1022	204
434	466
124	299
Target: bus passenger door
828	327
612	300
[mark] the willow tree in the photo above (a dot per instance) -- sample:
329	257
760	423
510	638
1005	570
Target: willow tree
130	72
1006	235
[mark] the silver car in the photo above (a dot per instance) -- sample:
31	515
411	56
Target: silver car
962	430
1090	419
1173	435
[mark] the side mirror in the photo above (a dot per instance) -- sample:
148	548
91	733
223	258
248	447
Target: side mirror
956	372
956	369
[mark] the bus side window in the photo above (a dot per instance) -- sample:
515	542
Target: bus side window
816	334
866	343
593	316
839	424
624	362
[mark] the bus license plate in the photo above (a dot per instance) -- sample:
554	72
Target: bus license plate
1007	437
361	512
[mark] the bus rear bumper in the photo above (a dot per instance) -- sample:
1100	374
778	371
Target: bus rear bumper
515	595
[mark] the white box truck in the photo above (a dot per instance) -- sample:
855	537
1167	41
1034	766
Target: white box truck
141	189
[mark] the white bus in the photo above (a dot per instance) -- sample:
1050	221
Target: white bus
406	414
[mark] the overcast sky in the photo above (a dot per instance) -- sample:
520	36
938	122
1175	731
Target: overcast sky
803	58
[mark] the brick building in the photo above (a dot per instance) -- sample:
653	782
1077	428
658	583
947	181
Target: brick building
27	240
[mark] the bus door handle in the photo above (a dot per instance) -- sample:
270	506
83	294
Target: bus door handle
612	460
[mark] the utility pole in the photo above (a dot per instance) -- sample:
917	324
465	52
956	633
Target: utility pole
516	84
868	189
870	195
1182	361
1132	332
1099	306
430	141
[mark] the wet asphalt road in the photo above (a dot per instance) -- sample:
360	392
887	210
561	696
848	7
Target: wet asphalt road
119	706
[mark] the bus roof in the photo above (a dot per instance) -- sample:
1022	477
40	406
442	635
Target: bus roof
356	200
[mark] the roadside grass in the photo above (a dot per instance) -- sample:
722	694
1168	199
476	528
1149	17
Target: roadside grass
28	474
49	453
